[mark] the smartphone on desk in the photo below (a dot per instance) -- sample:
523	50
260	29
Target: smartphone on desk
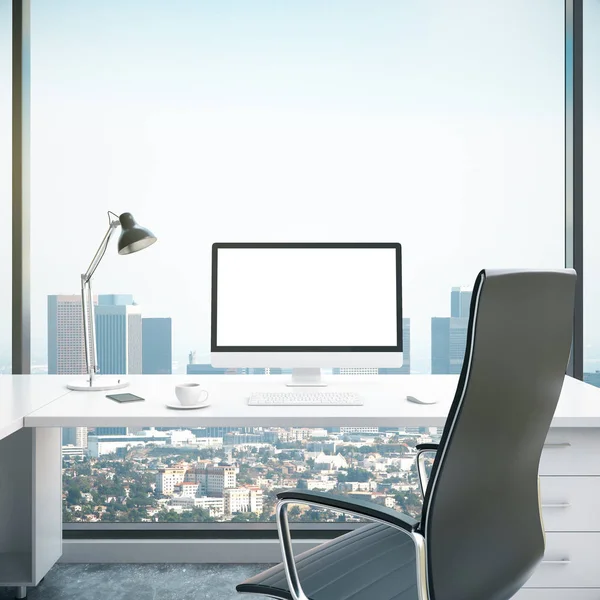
125	397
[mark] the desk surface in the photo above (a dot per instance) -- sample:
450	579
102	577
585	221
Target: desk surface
385	403
23	394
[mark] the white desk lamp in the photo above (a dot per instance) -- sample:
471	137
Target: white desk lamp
132	238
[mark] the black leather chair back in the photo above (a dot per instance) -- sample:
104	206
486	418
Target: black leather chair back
481	517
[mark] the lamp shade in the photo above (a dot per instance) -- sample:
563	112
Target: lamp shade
133	237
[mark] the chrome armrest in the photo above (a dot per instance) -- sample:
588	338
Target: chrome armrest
369	510
422	450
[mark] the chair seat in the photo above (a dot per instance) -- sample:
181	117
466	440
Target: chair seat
374	562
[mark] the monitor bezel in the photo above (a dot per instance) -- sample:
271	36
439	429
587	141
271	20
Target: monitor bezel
327	245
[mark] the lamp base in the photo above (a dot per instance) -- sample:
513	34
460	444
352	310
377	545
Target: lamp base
99	383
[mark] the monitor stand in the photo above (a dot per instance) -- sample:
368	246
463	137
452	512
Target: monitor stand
306	377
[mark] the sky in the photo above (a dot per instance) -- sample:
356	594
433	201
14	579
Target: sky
434	124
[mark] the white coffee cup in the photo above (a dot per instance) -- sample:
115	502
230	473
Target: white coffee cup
190	393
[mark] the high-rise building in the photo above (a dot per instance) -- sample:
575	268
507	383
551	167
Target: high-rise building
168	477
460	302
458	343
219	478
236	438
246	499
75	436
112	431
440	345
68	436
449	334
118	335
359	429
81	437
209	479
215	506
448	344
66	350
217	432
156	346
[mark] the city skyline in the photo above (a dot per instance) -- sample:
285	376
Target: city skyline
448	339
119	337
422	159
228	474
449	334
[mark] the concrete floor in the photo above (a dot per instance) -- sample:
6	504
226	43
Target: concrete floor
142	582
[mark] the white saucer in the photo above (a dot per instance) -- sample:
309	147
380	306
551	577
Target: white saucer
178	406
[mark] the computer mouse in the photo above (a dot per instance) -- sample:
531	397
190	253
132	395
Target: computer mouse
419	400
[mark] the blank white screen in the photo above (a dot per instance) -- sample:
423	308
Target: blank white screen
306	297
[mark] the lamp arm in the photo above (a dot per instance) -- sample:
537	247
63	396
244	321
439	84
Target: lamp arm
89	329
87	303
100	252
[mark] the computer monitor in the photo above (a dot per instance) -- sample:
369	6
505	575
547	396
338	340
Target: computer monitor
306	306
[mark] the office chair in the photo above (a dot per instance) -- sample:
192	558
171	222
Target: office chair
480	533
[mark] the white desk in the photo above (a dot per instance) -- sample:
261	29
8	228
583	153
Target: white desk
30	474
34	408
385	404
20	395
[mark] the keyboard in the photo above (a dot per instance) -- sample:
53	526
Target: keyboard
305	399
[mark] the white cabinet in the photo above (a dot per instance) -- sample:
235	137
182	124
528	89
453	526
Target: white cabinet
570	496
570	503
570	561
30	505
571	452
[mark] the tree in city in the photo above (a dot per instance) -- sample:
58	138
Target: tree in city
315	515
355	474
245	518
199	515
294	513
68	516
169	516
73	495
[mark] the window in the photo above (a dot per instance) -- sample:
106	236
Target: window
299	122
5	184
591	190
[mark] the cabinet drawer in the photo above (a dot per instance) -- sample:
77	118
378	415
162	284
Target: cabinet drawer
570	561
564	594
570	503
571	452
